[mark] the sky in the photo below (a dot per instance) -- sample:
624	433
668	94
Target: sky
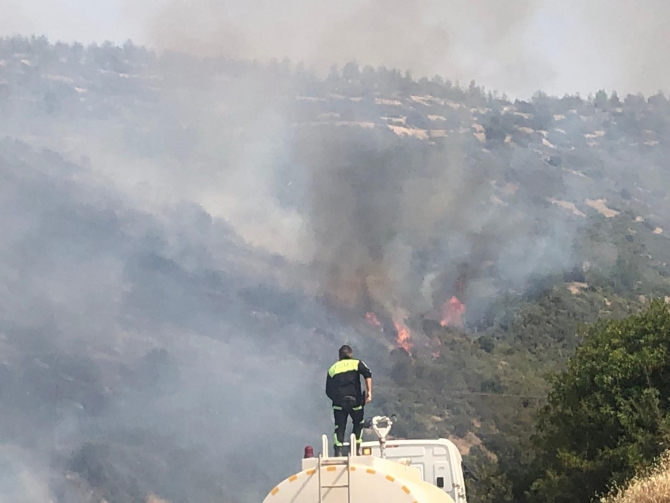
513	46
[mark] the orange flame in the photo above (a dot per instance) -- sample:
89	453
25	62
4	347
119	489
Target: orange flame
452	313
404	335
373	320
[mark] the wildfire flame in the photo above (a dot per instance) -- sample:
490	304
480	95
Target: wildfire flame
452	313
373	320
404	335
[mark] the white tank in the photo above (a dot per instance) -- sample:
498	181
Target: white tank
356	479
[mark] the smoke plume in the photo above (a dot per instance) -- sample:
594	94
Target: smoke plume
518	47
137	345
454	38
395	228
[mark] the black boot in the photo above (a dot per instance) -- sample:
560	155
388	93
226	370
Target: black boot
338	451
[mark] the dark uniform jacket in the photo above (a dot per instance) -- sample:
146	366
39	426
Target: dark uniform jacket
343	383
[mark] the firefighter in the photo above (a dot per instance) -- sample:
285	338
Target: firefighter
343	387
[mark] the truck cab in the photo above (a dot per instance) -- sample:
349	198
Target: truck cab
438	461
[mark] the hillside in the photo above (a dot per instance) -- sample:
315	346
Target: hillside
188	241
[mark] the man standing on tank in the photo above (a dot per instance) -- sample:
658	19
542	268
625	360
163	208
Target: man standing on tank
343	387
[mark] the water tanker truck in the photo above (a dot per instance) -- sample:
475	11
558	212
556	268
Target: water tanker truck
388	471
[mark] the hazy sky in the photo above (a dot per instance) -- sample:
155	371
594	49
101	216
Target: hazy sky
514	46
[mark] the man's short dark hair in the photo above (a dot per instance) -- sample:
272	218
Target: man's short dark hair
346	352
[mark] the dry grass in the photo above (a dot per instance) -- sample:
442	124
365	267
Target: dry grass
654	487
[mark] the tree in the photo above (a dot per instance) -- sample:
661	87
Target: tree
334	74
601	100
608	413
496	130
351	71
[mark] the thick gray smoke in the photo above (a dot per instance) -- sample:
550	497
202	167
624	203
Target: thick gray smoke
151	345
395	228
456	38
145	352
519	46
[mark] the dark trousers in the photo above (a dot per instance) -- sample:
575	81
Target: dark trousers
357	418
